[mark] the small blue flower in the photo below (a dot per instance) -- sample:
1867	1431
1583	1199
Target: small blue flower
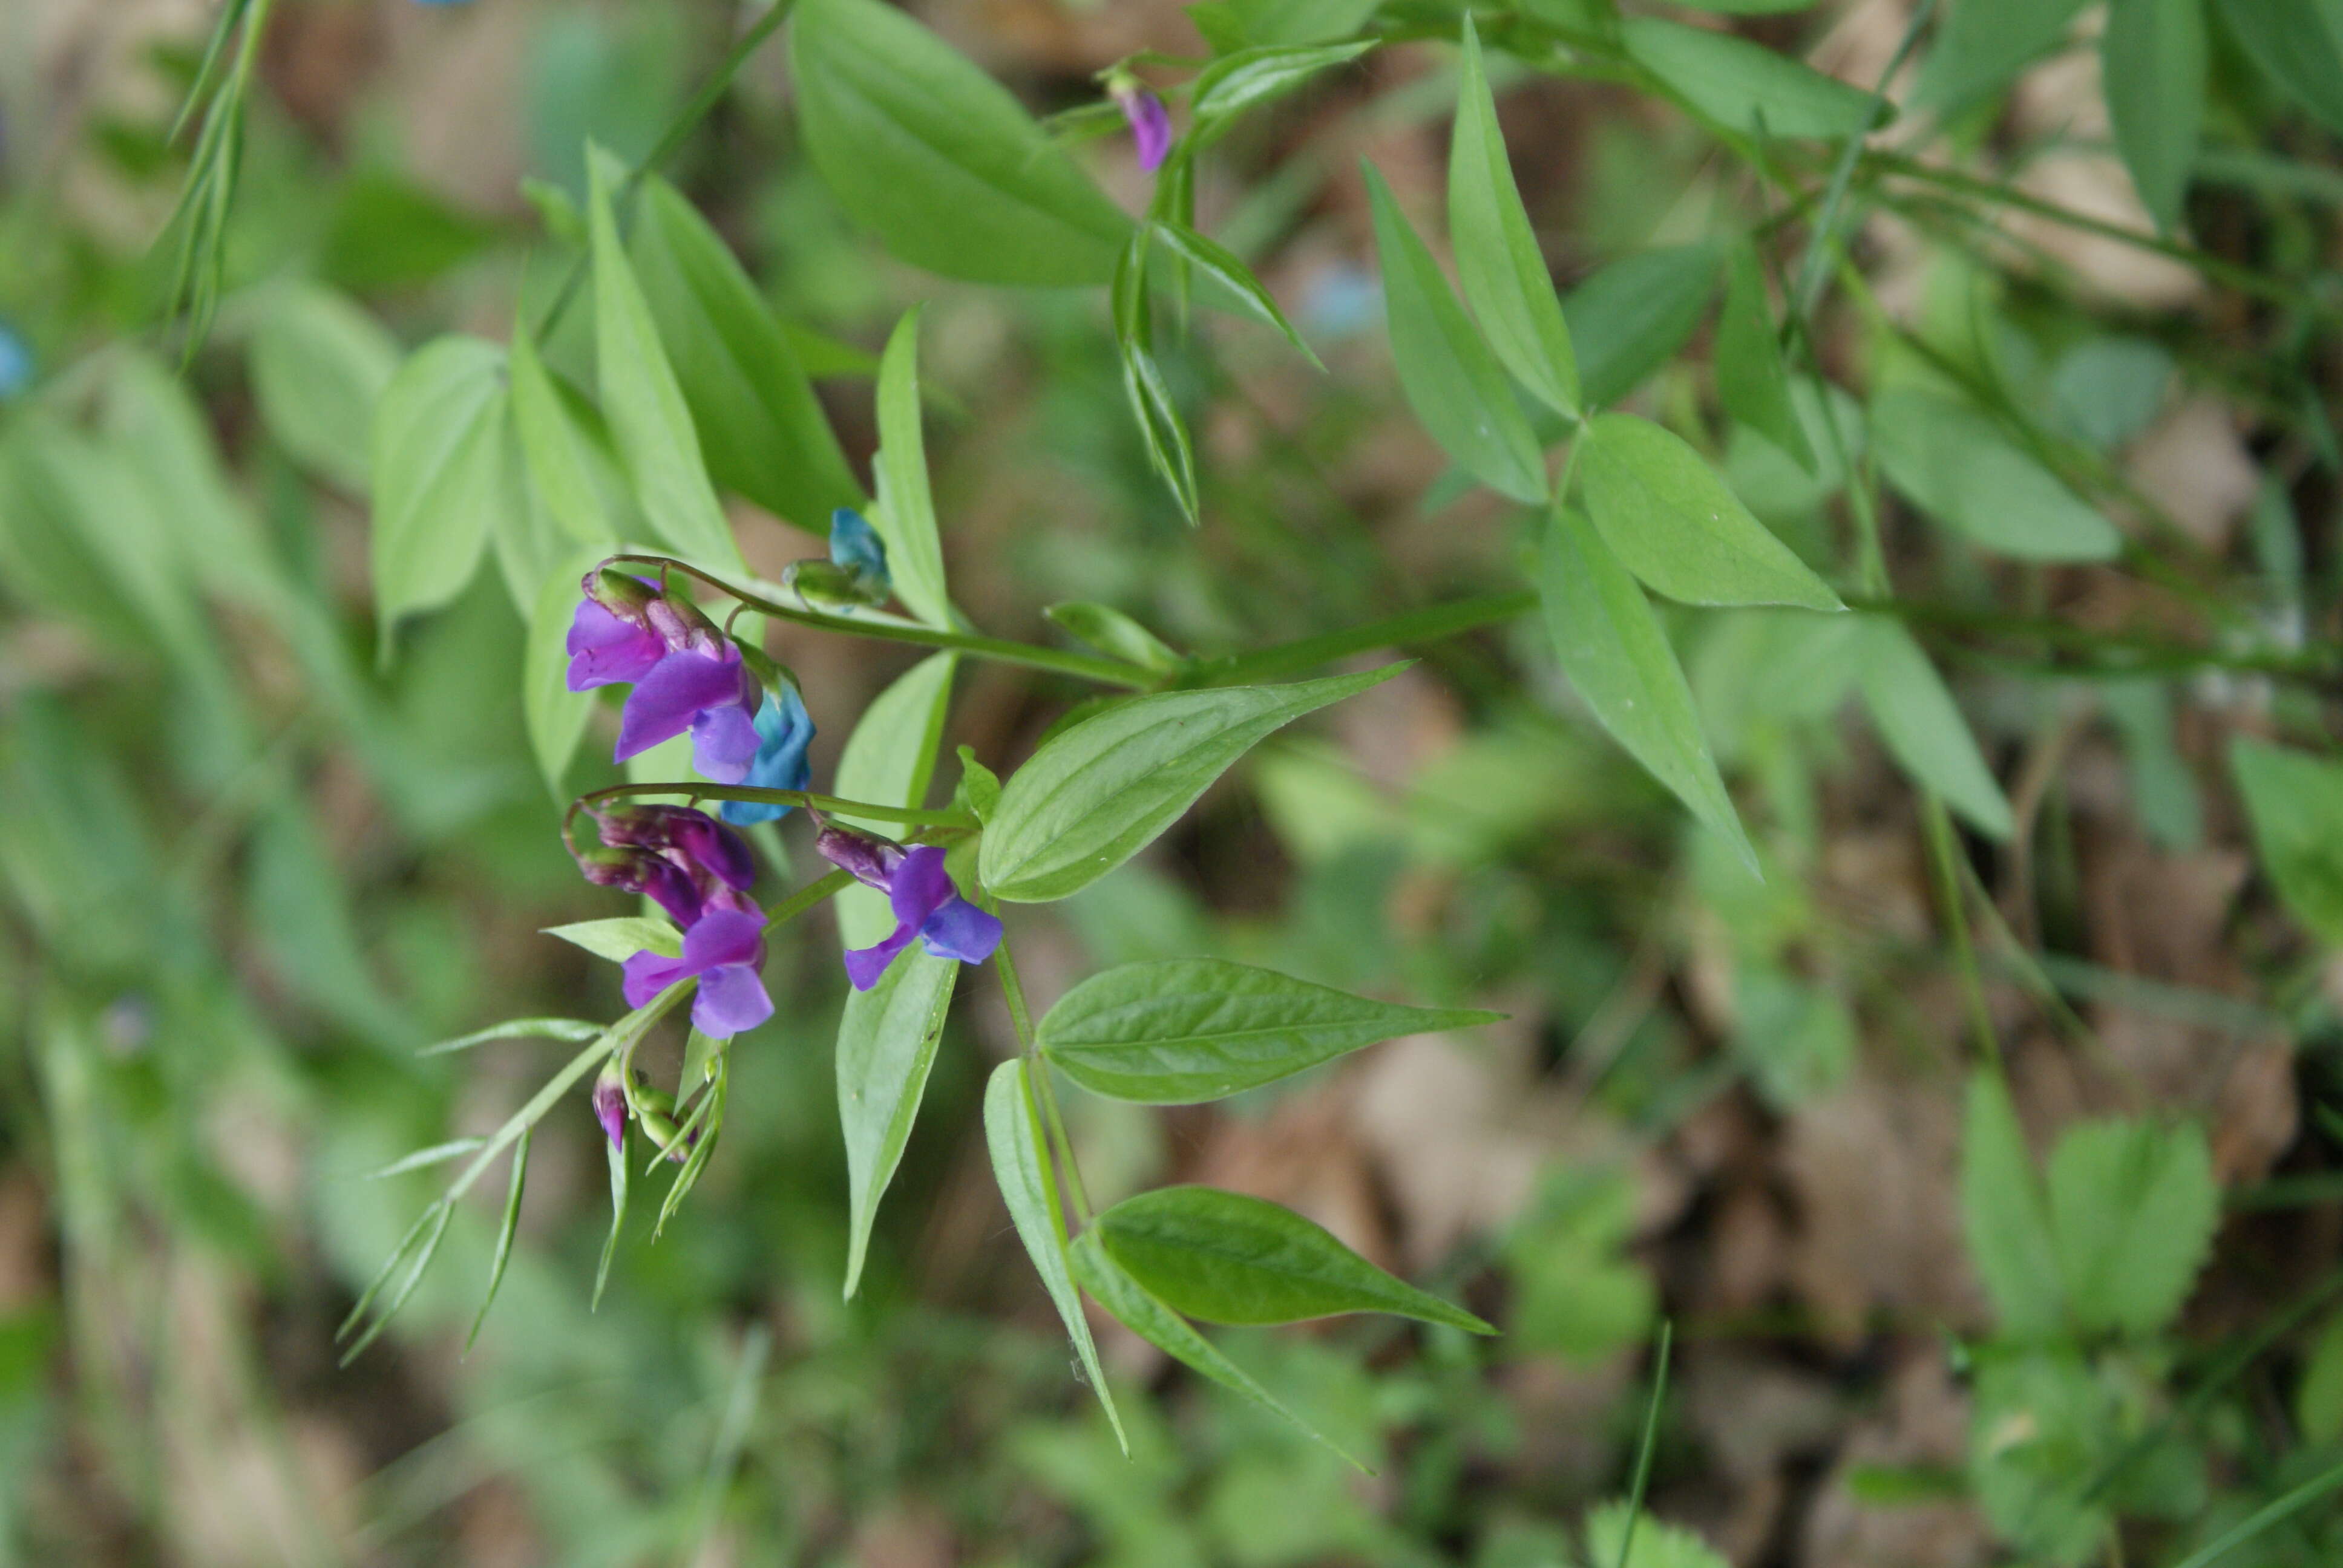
16	363
784	731
856	549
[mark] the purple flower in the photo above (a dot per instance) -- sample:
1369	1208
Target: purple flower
920	892
723	950
1151	123
605	648
677	856
784	731
712	695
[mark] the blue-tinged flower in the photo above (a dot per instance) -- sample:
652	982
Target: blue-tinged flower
1151	123
784	731
920	892
15	363
723	951
856	549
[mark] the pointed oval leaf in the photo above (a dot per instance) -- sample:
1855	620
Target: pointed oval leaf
319	364
649	417
1617	658
2294	802
1745	86
2004	1216
1247	78
887	1036
2153	61
1924	730
1631	317
1097	794
1452	379
1130	1304
1497	257
906	514
2133	1207
1751	379
622	937
1012	1134
760	426
1186	1030
438	462
1112	633
1957	464
937	159
2298	44
1984	44
1227	1258
1218	263
554	451
1672	521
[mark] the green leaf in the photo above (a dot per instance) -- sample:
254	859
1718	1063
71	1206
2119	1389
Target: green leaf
887	1041
1917	717
1169	450
1631	317
1218	263
1745	86
530	543
2133	1207
2299	46
1095	795
556	716
1247	78
616	1154
1618	658
1013	1132
162	433
1186	1030
1955	464
1231	24
1986	43
1497	257
569	1028
440	475
1112	633
1673	523
649	417
1452	381
1751	379
2153	61
761	429
319	364
559	454
1130	1304
887	1036
1651	1544
506	1230
2004	1217
905	516
1227	1258
937	159
622	937
2295	803
2318	1398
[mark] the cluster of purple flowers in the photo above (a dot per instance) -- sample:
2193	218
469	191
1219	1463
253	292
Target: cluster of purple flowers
700	871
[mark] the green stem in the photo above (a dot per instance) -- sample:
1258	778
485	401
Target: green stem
1430	623
1083	666
681	125
806	898
754	795
1937	826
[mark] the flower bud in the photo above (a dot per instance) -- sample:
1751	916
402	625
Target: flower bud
610	1104
868	860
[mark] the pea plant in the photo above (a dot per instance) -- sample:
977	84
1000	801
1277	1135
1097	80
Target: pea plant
1735	443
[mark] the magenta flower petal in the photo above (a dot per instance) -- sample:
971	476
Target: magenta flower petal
865	965
648	973
604	649
961	931
709	844
664	702
731	1000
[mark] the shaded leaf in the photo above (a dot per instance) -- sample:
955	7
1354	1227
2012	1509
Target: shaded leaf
1957	464
2004	1216
319	364
1745	86
2133	1209
2153	61
439	481
1916	715
906	513
1751	379
1631	317
2295	803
